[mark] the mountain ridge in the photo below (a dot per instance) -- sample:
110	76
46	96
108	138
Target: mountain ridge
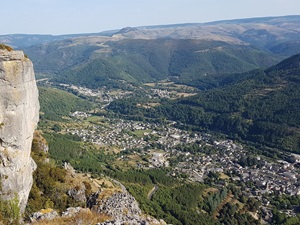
25	40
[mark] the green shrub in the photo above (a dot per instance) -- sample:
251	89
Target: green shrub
10	211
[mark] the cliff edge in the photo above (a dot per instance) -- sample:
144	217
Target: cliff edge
19	114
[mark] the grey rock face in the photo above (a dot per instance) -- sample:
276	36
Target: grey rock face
72	211
78	193
122	208
19	113
38	216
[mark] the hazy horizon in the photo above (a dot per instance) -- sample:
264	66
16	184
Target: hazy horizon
58	17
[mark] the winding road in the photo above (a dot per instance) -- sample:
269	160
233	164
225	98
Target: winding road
152	192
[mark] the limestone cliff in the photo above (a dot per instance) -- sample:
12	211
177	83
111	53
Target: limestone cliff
19	113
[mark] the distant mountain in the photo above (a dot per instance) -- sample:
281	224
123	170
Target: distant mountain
25	40
185	53
97	61
263	32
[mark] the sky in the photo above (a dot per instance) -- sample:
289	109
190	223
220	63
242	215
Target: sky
93	16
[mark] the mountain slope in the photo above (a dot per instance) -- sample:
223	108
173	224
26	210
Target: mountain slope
292	63
56	103
264	108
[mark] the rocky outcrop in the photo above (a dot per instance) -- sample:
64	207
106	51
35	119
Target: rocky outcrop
77	193
108	203
44	214
19	113
121	207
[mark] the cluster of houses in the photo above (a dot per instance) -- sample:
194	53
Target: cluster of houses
105	95
266	177
101	94
160	143
118	132
79	114
160	93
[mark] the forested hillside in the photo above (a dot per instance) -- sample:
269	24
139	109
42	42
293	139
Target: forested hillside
56	103
186	61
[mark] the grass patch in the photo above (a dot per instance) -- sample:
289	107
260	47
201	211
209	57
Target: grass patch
6	47
140	133
95	119
209	190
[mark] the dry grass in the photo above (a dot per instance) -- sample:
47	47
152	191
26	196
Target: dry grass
148	105
209	190
106	194
82	218
44	211
105	183
166	83
223	176
150	84
228	199
78	179
38	136
241	205
184	95
6	47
